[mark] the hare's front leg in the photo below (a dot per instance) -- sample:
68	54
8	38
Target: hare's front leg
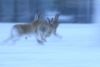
38	38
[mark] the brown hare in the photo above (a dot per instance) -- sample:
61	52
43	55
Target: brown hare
26	30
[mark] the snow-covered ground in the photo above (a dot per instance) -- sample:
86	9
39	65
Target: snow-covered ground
79	47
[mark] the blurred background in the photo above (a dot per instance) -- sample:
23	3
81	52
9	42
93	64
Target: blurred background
72	11
79	28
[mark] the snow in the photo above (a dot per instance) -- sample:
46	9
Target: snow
78	47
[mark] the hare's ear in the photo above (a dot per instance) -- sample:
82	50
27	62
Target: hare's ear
52	19
36	17
48	20
57	15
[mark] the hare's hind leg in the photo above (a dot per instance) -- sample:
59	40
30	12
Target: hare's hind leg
12	39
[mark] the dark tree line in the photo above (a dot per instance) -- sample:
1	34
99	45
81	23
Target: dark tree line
24	10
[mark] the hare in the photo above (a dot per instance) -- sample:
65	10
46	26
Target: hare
48	27
40	27
26	30
52	26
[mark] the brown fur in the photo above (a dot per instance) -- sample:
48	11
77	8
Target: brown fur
39	26
26	30
52	26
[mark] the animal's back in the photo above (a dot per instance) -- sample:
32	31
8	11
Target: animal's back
23	28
